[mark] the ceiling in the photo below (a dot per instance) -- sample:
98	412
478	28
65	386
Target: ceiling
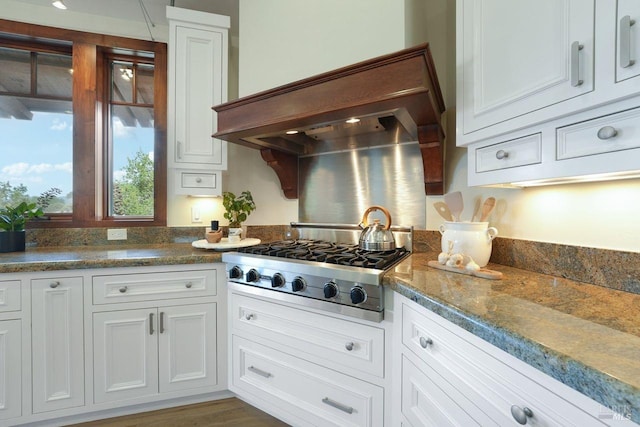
131	10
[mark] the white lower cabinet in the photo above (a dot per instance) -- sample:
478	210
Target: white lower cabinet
307	368
57	343
155	350
10	369
450	377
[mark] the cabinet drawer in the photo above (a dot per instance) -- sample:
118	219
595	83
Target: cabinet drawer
581	139
517	152
10	293
491	383
348	345
429	400
198	182
318	395
152	286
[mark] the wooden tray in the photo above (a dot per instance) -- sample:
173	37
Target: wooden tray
484	273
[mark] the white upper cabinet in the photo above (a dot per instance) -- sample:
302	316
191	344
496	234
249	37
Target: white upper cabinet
628	38
198	67
548	91
520	56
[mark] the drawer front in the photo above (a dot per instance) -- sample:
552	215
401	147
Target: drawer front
319	395
347	345
10	292
482	378
518	152
607	134
199	180
429	400
152	286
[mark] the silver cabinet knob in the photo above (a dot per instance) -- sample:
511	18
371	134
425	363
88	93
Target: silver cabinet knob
249	316
607	132
188	285
123	289
54	284
521	415
198	180
425	342
501	154
349	346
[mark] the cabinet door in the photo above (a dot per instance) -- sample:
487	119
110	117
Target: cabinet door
516	57
57	342
187	347
125	351
199	84
628	40
10	369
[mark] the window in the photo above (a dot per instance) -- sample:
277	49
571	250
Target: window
83	122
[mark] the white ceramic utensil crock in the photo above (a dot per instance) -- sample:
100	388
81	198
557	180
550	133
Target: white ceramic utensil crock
468	238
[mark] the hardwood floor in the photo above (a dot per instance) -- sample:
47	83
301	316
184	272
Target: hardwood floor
221	413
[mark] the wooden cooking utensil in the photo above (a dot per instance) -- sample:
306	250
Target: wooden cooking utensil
487	207
454	201
443	210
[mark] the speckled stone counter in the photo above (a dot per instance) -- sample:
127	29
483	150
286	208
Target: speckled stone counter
586	336
81	257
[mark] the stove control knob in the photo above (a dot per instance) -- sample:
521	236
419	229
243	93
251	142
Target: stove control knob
235	273
277	281
330	290
298	284
253	275
358	295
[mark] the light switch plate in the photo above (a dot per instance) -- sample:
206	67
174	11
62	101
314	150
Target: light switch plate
195	214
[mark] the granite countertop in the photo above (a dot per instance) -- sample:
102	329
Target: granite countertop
585	336
81	257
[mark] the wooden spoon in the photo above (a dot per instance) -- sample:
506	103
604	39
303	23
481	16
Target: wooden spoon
454	201
443	210
487	207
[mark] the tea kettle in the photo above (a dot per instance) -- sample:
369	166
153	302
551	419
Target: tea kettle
376	237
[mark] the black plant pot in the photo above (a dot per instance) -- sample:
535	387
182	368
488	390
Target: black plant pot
12	241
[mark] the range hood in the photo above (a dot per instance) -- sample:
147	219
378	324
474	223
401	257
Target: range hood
391	99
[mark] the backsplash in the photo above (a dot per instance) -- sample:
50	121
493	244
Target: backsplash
611	269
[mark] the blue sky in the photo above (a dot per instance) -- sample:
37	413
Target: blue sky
38	152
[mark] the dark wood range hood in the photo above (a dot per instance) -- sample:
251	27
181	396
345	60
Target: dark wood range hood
396	97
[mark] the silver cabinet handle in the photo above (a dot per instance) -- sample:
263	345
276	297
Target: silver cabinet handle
625	41
179	147
501	154
521	415
259	372
54	284
161	327
607	132
198	180
349	346
338	405
123	289
576	47
150	323
188	285
249	316
425	342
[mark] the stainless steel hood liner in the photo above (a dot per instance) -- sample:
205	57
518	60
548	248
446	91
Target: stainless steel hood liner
396	97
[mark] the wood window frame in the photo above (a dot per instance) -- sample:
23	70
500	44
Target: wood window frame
89	115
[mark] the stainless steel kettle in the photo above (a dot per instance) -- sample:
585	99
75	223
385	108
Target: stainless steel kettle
376	237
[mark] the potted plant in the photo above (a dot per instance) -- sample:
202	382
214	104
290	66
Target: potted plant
12	223
237	209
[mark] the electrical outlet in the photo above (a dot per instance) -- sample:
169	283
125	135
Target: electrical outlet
117	234
195	214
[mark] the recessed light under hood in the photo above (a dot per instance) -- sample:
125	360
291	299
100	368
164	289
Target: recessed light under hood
396	97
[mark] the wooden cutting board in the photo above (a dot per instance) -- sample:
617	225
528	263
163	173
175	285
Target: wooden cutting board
483	273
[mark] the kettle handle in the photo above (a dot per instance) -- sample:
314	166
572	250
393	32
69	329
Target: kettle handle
386	213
